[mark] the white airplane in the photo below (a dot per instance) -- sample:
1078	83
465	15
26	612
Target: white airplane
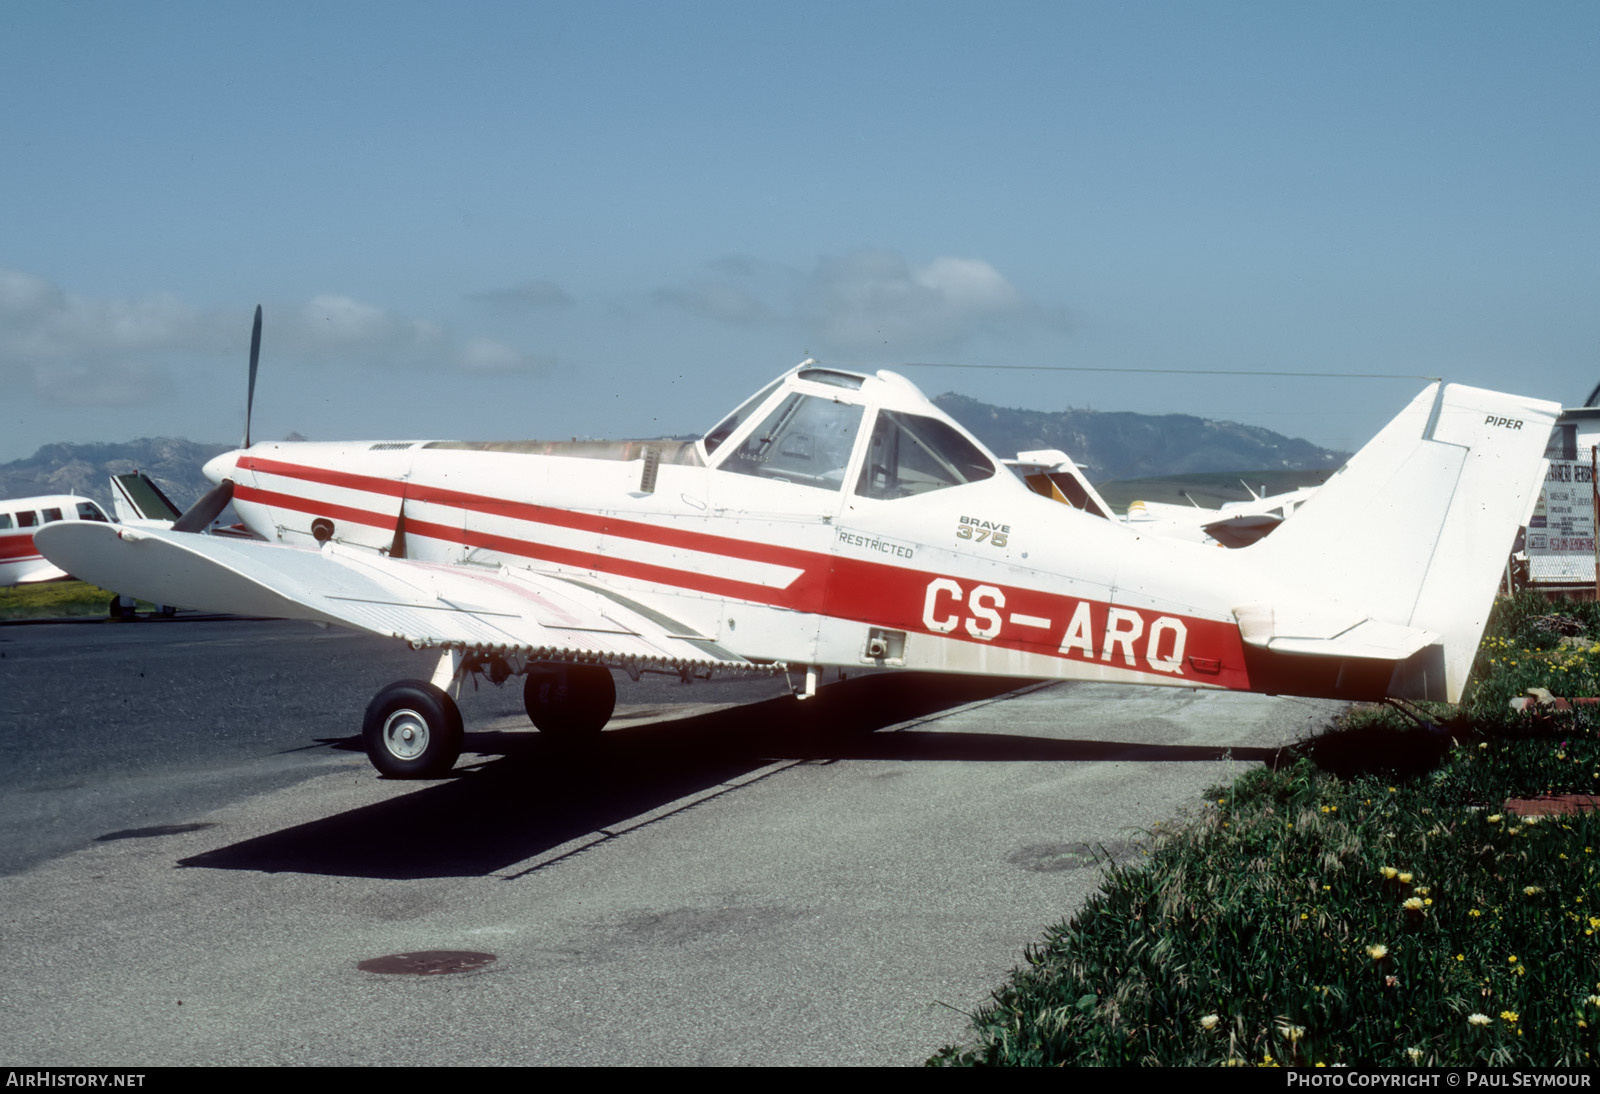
20	560
836	519
1052	473
1233	524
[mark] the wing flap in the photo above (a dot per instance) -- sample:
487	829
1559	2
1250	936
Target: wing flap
537	615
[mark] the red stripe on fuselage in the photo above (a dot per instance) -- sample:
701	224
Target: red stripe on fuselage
866	591
18	548
540	514
802	594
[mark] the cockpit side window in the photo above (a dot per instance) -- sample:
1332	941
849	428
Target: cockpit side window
724	429
913	454
88	510
806	440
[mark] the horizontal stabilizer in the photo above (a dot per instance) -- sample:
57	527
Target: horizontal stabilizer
1328	632
540	616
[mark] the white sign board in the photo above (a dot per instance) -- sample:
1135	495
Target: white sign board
1561	533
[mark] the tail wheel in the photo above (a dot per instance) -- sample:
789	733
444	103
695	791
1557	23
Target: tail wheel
573	702
412	730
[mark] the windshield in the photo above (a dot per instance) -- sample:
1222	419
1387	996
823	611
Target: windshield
807	440
912	454
724	429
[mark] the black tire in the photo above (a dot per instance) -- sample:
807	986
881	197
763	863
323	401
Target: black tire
412	731
570	702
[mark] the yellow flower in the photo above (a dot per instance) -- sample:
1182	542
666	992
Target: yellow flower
1531	890
1495	818
1414	904
1210	1022
1378	951
1389	872
1510	1016
1405	879
1512	960
1294	1033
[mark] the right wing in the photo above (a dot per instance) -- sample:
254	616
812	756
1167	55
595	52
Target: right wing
472	608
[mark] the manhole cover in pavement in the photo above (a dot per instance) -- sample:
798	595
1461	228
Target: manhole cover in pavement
427	962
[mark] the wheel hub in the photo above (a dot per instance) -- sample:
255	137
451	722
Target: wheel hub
405	734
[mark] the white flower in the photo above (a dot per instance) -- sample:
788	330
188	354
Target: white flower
1209	1022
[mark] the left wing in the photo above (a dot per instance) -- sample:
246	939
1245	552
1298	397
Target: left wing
473	608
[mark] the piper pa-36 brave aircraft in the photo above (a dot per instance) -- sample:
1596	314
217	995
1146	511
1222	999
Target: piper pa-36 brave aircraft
836	519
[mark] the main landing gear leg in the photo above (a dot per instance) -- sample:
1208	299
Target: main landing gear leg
569	702
413	728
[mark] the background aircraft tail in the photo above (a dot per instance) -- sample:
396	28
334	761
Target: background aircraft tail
1416	528
135	497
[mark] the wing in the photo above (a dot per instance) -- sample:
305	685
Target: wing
541	616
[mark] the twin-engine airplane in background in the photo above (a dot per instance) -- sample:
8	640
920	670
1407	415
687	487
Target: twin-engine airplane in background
20	560
836	519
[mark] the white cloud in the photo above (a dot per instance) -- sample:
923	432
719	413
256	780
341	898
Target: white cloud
67	349
863	301
720	301
337	323
528	296
485	355
77	351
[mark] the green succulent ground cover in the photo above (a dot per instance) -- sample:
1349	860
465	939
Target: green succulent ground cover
1371	902
53	600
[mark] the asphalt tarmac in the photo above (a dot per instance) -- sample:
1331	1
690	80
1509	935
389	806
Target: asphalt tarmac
198	858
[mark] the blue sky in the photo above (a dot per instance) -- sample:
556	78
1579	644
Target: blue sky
607	219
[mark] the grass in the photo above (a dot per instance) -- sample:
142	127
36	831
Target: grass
1331	912
56	599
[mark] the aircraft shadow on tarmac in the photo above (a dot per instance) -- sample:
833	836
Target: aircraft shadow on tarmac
539	795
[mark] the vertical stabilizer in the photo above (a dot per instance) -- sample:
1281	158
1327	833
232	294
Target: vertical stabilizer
1415	529
135	496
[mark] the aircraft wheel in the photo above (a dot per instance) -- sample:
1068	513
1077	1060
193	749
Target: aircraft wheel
412	730
572	702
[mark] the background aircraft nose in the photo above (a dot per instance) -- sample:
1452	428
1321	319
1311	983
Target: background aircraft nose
221	467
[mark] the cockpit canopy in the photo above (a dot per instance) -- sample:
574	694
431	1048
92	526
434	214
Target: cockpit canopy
806	427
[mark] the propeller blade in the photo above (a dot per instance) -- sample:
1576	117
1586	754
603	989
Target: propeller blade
199	516
255	359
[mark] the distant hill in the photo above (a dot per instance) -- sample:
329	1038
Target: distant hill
85	468
1112	445
1125	445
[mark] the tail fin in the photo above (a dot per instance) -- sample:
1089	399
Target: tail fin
1416	528
136	497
